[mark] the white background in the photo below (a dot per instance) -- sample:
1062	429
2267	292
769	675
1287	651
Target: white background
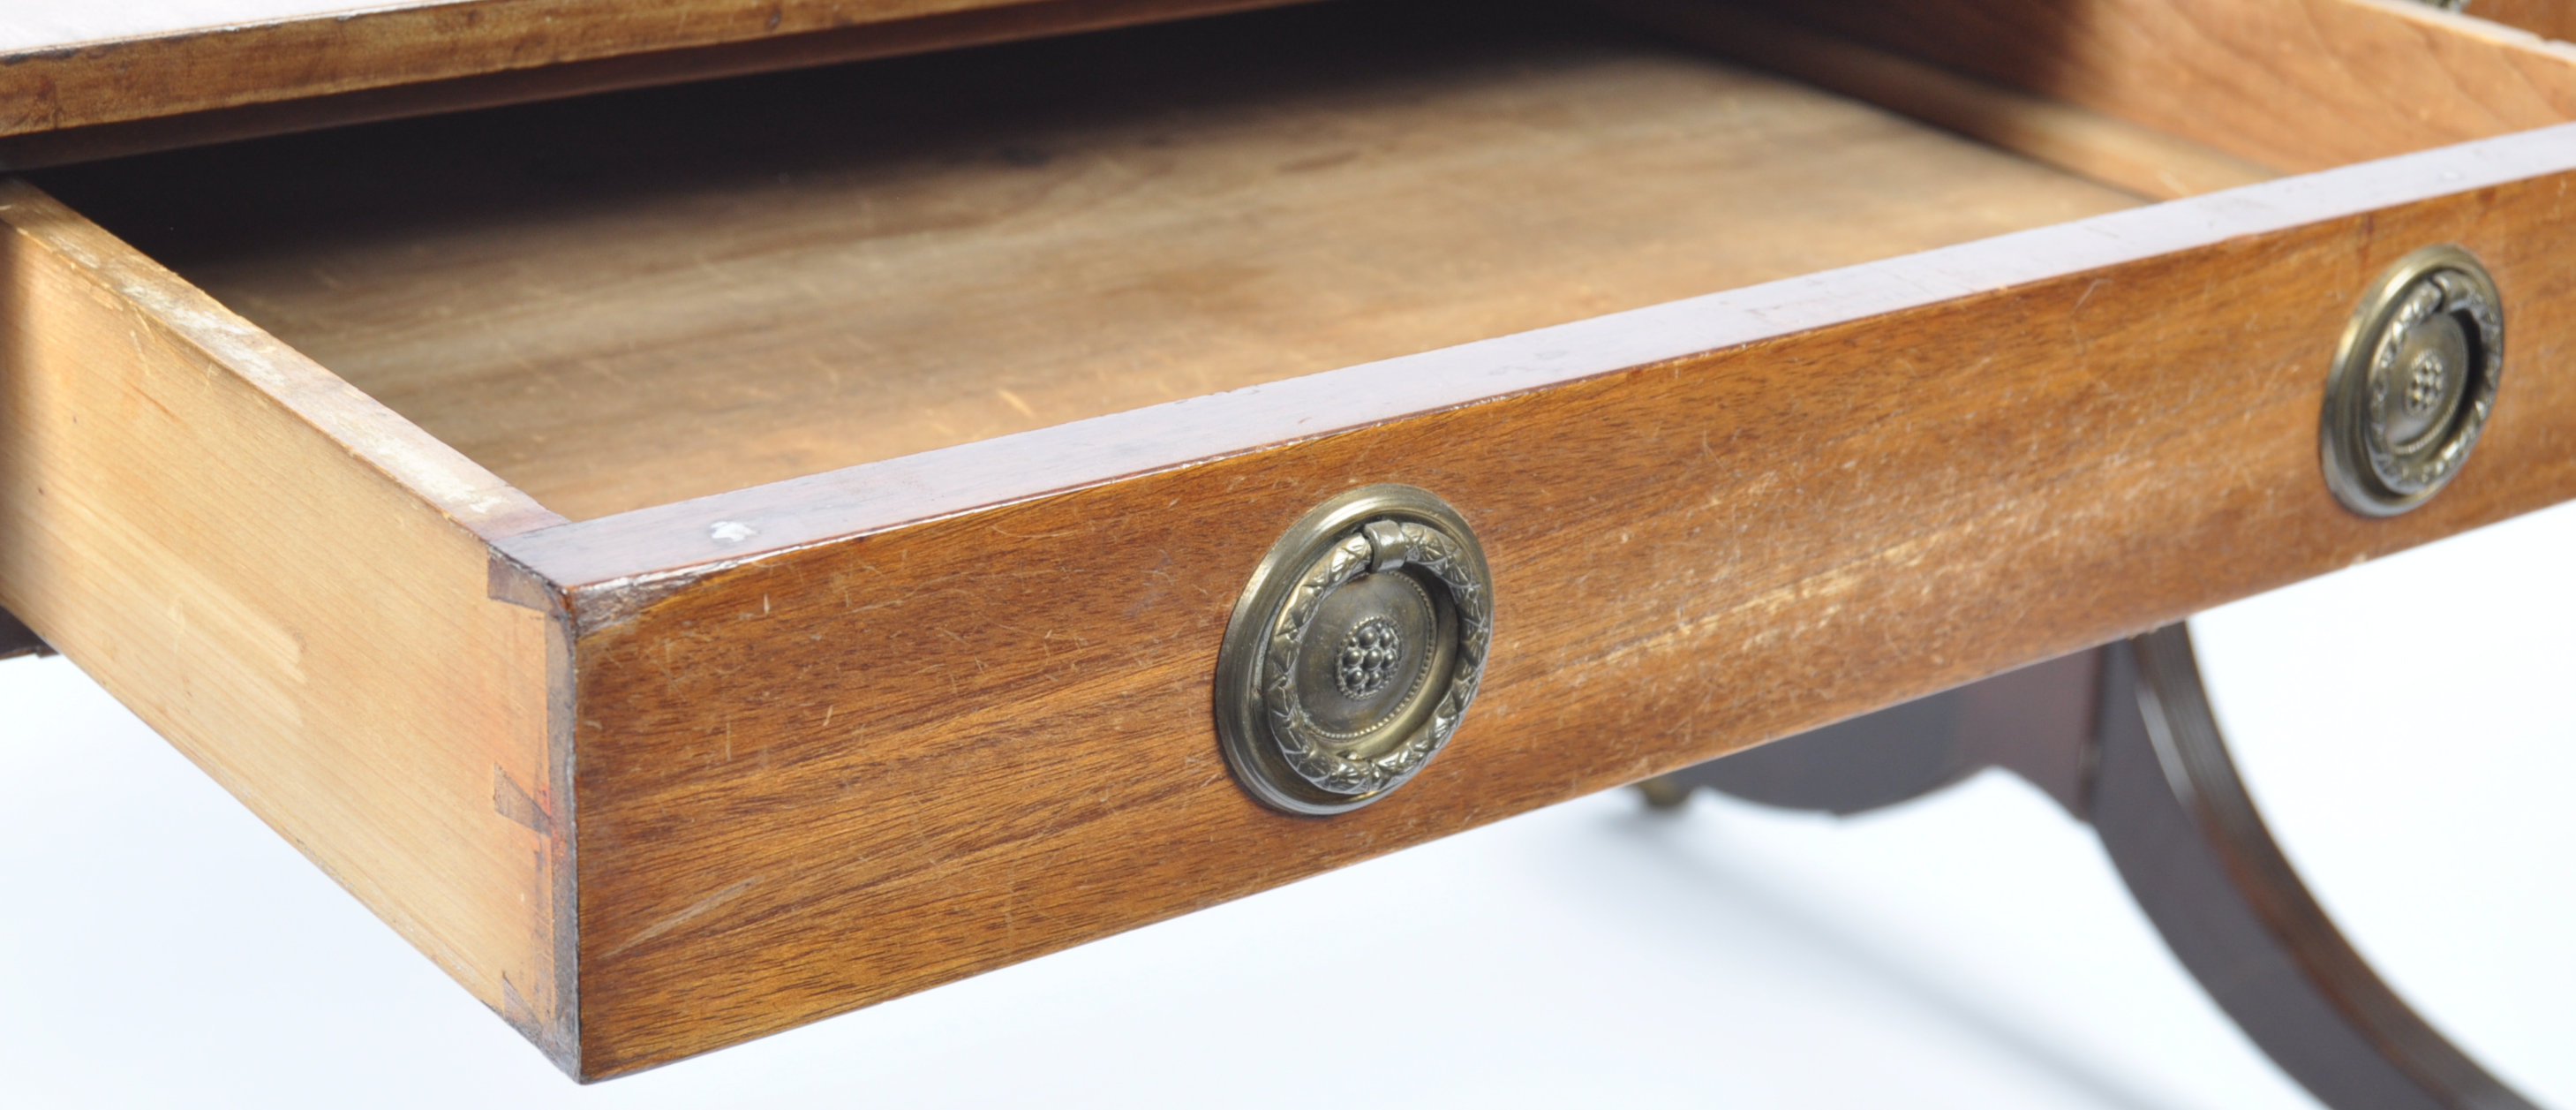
26	24
160	947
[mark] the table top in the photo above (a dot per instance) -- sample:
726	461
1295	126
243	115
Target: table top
68	66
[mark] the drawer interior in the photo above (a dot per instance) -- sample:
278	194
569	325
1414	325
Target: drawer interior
626	300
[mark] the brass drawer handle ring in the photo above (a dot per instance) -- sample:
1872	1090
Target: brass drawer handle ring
2414	381
1354	651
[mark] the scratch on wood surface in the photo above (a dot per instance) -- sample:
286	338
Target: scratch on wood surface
693	911
1803	593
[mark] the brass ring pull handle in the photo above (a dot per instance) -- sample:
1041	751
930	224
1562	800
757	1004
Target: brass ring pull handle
2124	737
1354	651
2414	381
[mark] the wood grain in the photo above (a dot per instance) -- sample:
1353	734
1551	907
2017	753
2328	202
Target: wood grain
859	732
2294	84
290	584
186	68
853	759
2078	140
2549	19
911	255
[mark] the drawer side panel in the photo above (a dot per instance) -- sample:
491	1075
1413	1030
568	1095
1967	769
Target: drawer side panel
217	539
2298	85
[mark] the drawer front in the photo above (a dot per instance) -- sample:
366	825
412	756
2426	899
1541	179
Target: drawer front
846	769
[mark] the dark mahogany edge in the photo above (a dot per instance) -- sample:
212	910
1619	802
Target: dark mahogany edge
646	553
398	44
372	100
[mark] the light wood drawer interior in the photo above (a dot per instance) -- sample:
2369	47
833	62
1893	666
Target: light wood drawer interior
624	301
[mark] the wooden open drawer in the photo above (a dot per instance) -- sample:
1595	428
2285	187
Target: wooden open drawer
699	560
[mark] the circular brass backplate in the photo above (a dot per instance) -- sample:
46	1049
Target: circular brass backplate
2413	382
1354	650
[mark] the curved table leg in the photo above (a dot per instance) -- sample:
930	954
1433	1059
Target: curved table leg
2124	737
17	639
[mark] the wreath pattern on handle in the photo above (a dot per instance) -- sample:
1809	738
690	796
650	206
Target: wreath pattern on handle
2437	293
1304	745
